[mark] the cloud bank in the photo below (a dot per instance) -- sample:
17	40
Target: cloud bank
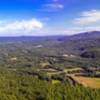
24	26
88	17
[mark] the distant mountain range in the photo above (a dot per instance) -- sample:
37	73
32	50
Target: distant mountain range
29	38
81	46
85	35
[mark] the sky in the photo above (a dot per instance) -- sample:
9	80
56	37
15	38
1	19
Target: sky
48	17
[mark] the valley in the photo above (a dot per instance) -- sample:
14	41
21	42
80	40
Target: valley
50	68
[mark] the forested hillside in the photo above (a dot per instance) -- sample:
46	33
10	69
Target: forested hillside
50	68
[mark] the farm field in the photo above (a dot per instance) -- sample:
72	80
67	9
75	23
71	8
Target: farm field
75	75
87	81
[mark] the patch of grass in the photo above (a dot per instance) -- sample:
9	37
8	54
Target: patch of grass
72	69
87	81
56	81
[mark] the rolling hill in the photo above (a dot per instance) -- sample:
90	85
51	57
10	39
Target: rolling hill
81	49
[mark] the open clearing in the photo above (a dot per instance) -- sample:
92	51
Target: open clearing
83	80
87	81
73	69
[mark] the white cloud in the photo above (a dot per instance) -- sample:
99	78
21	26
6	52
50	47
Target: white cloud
52	7
17	27
55	6
88	17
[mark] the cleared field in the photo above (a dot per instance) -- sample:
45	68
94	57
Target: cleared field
73	69
87	81
55	82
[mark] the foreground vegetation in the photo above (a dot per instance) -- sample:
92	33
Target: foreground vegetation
27	87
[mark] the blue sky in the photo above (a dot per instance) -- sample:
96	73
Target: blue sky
48	17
